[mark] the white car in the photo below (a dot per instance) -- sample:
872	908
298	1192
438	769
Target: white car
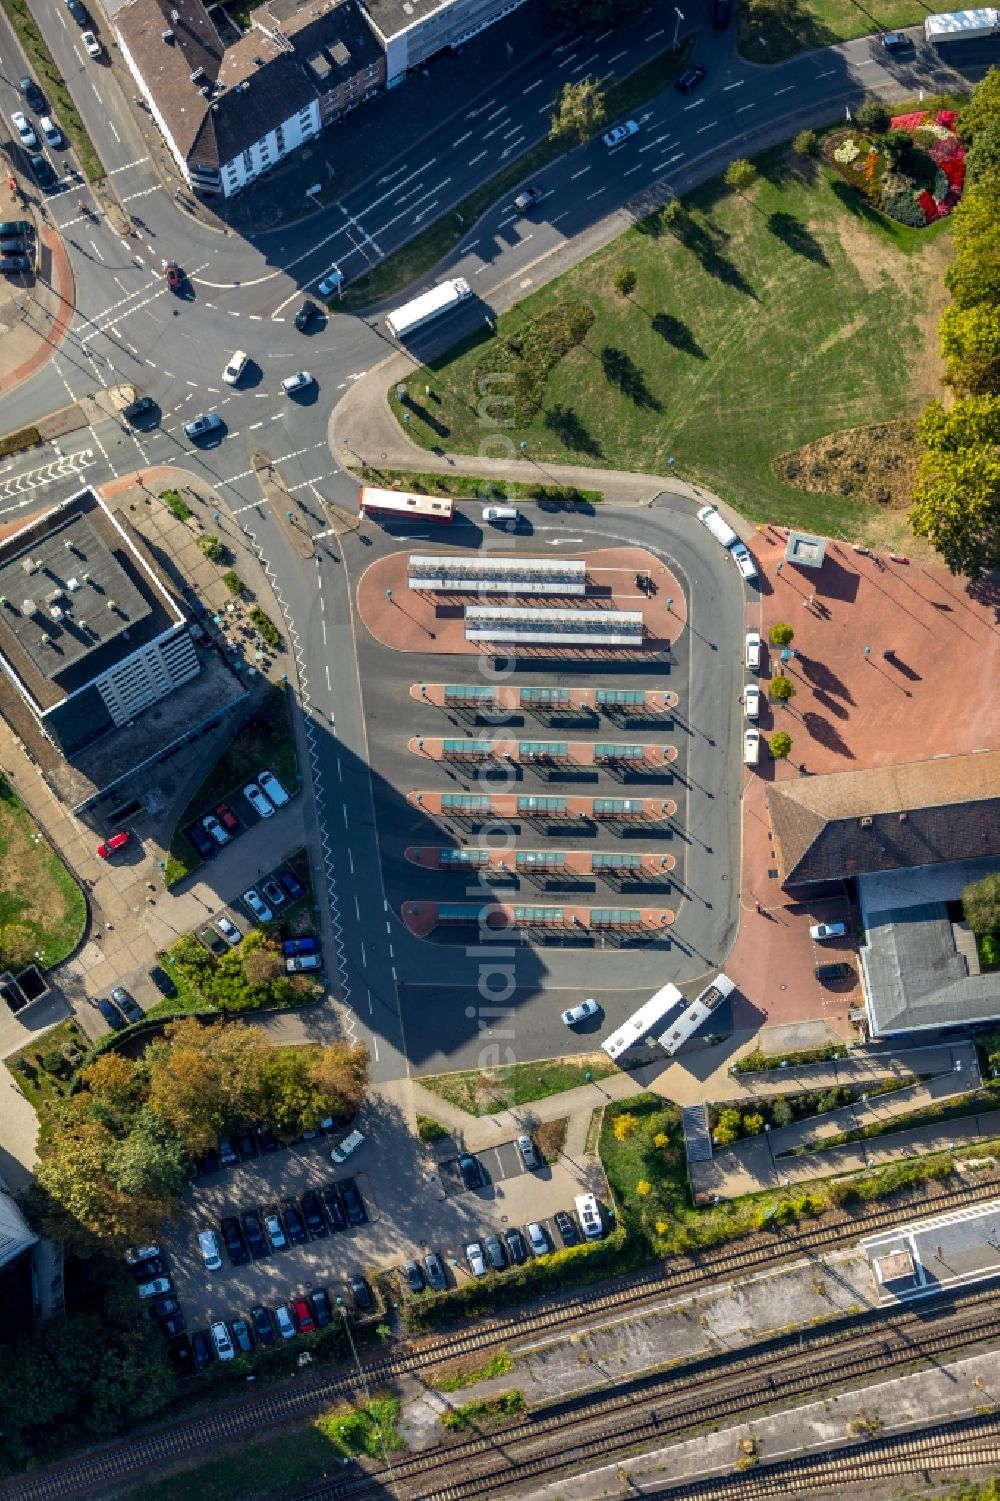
229	931
235	368
292	384
751	746
155	1288
91	43
619	133
275	1232
208	1245
50	130
24	130
141	1253
257	905
744	560
821	931
752	650
223	1344
258	802
751	701
213	827
272	788
347	1146
286	1324
539	1240
579	1013
474	1256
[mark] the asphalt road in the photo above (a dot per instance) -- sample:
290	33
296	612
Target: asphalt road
242	293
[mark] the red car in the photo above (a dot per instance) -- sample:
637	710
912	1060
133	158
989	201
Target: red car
303	1316
227	817
172	272
113	845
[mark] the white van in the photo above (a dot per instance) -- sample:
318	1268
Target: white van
507	516
589	1214
721	530
751	746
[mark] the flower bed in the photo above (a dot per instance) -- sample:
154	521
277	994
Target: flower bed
915	180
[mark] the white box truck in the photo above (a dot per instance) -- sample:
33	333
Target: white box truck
405	320
962	25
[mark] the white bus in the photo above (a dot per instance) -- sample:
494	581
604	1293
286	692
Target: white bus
401	505
699	1011
405	320
643	1022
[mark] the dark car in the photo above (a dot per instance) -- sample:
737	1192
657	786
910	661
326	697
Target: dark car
294	1225
143	406
254	1233
333	1203
209	1162
232	1234
322	1307
127	1004
213	941
172	1324
436	1276
308	945
162	981
204	1351
159	1308
721	14
14	263
263	1325
354	1204
313	1214
494	1253
78	13
10	227
895	41
242	1337
41	169
833	971
148	1269
111	1014
472	1173
16	245
689	78
33	94
266	1139
292	885
568	1233
246	1145
414	1276
362	1294
180	1355
516	1248
204	846
305	315
228	1153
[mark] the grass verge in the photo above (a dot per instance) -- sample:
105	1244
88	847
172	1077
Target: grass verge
757	324
499	1364
25	437
54	87
43	912
481	1091
486	1412
757	1061
431	245
467	486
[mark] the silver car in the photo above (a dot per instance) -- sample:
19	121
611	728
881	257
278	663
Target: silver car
213	827
258	802
257	906
477	1261
229	930
286	1324
199	426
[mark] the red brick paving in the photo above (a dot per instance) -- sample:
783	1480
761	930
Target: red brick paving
411	621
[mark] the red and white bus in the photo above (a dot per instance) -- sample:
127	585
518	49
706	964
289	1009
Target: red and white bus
400	505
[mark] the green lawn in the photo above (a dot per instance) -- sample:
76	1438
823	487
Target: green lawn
760	327
792	26
42	910
64	1044
482	1091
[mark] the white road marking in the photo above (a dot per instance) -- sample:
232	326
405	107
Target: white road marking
786	90
581	172
703	128
476	159
738	85
466	137
695	105
537	84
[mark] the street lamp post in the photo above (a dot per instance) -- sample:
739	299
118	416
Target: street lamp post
677	27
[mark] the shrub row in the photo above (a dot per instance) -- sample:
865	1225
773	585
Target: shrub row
525	358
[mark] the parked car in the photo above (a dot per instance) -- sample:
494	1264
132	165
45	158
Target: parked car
300	381
50	131
229	930
566	1225
16	227
202	1348
322	1307
163	982
538	1238
821	931
333	1204
242	1337
414	1276
235	368
471	1170
258	802
516	1249
33	94
528	1153
227	817
895	41
78	13
209	1162
267	1139
135	1254
236	1246
272	788
146	1270
204	846
273	893
690	77
305	315
214	829
343	1150
329	284
154	1288
721	13
257	906
752	650
292	885
284	1320
161	1308
127	1004
744	560
292	946
477	1261
353	1203
263	1324
619	133
172	1324
222	1341
303	962
246	1144
201	426
751	745
437	1277
253	1232
210	937
295	1227
275	1230
361	1293
494	1253
312	1213
111	1014
826	972
228	1153
579	1013
113	845
303	1314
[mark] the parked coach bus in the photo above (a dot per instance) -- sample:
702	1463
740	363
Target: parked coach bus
405	320
399	505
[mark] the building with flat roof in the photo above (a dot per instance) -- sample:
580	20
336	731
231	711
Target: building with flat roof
803	550
411	31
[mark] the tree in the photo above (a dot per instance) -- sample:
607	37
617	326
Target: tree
625	279
781	634
974	275
782	689
728	1129
579	113
982	109
981	904
299	1086
781	745
625	1125
806	143
970	342
210	545
983	157
262	965
873	117
80	1203
674	216
781	1112
150	1161
971	423
591	15
340	1071
661	1139
958	509
740	175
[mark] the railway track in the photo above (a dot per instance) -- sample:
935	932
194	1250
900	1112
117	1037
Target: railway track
653	1409
101	1469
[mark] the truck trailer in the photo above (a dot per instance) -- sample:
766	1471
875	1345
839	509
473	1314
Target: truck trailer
962	25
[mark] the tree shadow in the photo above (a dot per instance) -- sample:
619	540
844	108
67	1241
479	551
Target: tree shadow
855	203
564	423
704	244
419	410
791	232
677	334
826	734
823	678
621	370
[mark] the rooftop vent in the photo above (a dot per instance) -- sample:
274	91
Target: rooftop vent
57	614
167	36
903	817
243	88
259	62
27	607
175	16
197	75
340	54
45	641
205	91
28	565
866	822
72	585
